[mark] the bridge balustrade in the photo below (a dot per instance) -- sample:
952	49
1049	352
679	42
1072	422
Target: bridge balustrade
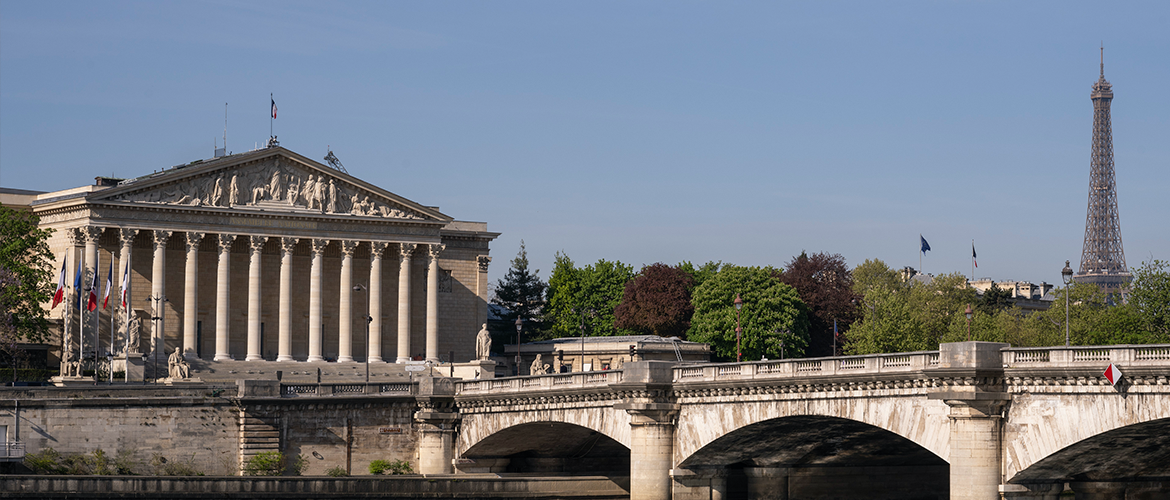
875	363
382	388
539	382
1074	356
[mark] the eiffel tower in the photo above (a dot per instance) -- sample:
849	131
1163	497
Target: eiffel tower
1103	258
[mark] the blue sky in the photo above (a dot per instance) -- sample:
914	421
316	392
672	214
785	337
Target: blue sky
644	132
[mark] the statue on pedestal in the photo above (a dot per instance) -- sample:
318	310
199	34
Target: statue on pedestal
177	367
133	333
538	367
483	344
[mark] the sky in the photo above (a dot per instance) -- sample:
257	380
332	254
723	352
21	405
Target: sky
643	132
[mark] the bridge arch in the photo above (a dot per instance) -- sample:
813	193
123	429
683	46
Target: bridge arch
1059	437
478	427
913	417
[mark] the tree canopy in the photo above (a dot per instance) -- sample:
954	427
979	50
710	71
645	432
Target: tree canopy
772	314
25	255
906	316
825	285
585	296
521	292
657	302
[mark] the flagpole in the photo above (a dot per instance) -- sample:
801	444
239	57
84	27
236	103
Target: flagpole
972	260
270	117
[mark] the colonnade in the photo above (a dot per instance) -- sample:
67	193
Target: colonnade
224	300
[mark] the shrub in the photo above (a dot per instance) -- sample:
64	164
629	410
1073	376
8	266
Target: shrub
44	462
336	472
163	467
397	467
297	466
268	463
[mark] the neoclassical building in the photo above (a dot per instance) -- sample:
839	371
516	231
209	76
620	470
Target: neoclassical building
267	255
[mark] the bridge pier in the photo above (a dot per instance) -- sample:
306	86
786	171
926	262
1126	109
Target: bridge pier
1032	491
647	398
436	418
767	483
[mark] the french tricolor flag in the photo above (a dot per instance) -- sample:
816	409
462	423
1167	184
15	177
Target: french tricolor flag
59	295
92	303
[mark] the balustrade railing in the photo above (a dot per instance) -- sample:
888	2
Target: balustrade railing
850	365
1081	356
383	388
11	451
559	381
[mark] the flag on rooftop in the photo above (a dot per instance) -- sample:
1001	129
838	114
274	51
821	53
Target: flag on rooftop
925	245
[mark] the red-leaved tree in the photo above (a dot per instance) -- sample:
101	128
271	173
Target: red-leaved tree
657	301
825	284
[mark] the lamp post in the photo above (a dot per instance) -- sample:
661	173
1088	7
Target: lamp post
519	326
969	313
738	331
1066	275
157	324
361	288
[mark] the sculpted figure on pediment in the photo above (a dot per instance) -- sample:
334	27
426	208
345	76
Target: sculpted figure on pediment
273	183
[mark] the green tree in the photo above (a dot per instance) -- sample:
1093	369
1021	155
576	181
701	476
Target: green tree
772	313
586	295
874	273
24	253
657	302
913	316
521	291
701	273
995	299
1150	298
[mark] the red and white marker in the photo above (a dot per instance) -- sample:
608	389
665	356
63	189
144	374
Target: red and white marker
1112	374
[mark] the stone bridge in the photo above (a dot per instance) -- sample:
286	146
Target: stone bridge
975	420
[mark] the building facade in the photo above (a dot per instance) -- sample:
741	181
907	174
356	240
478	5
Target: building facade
264	255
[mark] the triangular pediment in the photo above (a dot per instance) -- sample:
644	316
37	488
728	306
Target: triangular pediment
270	180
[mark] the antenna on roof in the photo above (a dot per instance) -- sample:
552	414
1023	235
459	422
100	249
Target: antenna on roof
332	160
221	152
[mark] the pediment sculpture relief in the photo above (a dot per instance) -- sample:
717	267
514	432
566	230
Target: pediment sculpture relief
269	185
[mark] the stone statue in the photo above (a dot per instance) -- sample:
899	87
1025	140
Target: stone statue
274	185
178	367
234	191
133	333
217	192
538	367
332	208
483	344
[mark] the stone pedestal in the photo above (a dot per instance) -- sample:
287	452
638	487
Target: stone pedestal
182	381
70	381
135	367
476	369
699	484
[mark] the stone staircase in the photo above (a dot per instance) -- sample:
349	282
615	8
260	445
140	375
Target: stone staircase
257	435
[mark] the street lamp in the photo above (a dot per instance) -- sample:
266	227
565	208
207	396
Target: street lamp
369	319
1066	275
157	334
519	326
738	331
969	313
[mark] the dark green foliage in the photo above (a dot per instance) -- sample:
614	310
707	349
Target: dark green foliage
772	313
657	302
336	472
994	300
521	292
50	461
268	463
397	467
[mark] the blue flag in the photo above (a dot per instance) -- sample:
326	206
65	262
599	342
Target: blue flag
925	245
77	284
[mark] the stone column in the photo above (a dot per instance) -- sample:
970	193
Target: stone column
433	252
345	308
284	349
257	246
315	306
652	412
190	295
223	288
767	483
436	420
89	336
405	250
481	289
158	294
126	238
374	342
